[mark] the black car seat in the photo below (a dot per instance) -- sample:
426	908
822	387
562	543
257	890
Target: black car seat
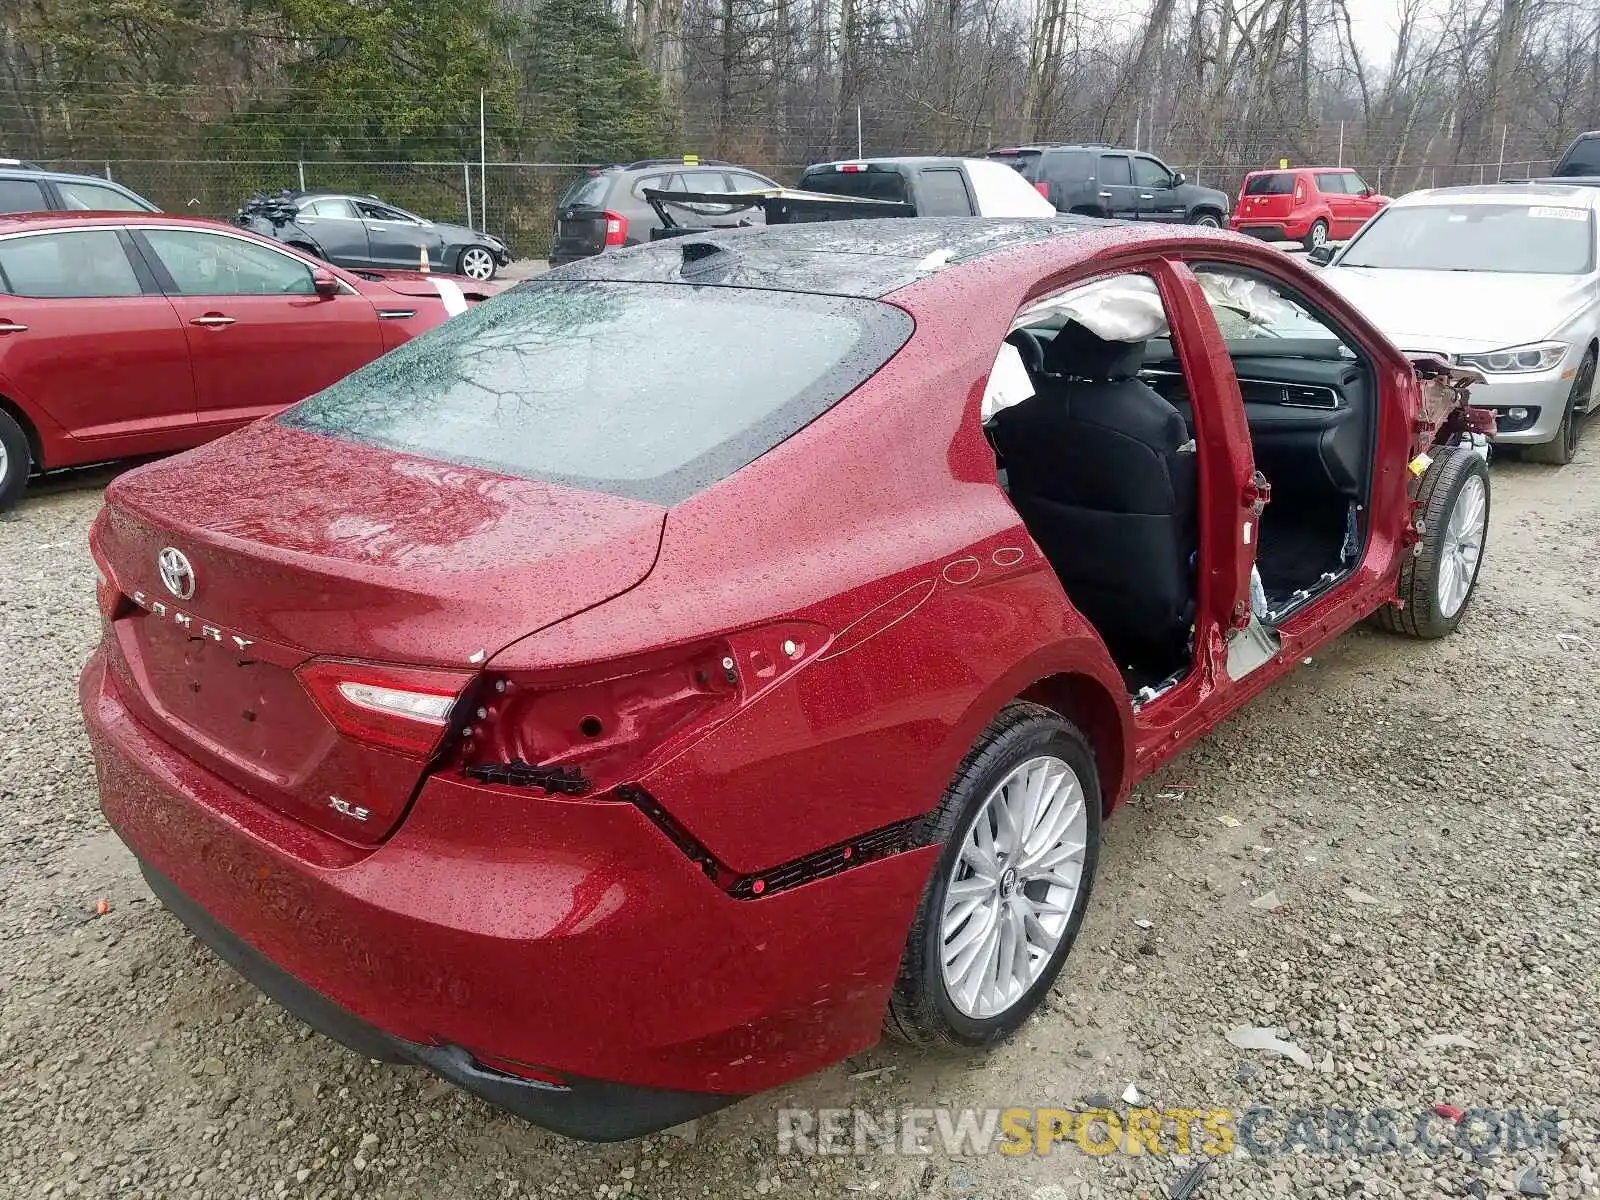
1102	471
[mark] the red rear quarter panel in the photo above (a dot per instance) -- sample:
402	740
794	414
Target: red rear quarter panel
882	522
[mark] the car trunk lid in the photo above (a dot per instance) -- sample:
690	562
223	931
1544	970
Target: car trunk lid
580	226
1268	196
300	548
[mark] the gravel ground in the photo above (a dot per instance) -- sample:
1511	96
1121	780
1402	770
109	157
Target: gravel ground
1392	859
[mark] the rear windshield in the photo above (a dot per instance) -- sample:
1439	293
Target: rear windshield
1279	183
651	391
588	192
1025	161
874	185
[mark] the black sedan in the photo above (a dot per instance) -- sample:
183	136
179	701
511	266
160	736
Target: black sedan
363	231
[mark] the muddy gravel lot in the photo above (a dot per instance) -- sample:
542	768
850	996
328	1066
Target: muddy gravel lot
1393	859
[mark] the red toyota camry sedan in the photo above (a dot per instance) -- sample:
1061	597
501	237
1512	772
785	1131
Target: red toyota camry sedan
644	689
124	334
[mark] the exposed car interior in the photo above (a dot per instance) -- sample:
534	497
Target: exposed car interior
1096	450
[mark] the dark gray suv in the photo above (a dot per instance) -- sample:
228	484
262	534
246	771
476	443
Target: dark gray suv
607	208
1108	181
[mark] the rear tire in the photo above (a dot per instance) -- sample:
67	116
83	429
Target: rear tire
1440	573
1030	757
16	460
1316	236
1559	450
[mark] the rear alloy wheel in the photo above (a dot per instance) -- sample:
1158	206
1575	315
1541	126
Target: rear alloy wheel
1021	828
15	460
1209	219
1317	235
1440	573
477	263
1560	449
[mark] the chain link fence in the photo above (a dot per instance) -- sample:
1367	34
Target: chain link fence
517	201
514	201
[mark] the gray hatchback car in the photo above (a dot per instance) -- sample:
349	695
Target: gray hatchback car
606	207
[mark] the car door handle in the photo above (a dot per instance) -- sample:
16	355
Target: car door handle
12	327
1105	195
1146	196
212	321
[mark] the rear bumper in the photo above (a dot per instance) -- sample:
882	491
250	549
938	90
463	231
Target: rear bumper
581	1108
1271	231
566	935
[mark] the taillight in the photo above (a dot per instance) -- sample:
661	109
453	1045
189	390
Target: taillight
1042	188
404	709
616	228
611	723
852	168
106	592
1299	191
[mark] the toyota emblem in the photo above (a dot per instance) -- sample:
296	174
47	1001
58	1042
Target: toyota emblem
176	573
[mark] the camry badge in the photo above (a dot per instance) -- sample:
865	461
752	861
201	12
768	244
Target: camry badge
176	573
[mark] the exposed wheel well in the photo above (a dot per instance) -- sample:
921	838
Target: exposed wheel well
35	446
1094	710
1205	210
1087	210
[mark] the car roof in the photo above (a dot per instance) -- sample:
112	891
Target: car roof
1037	147
21	222
23	171
1500	193
1296	170
868	258
899	160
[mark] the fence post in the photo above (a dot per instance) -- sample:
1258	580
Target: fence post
1505	129
466	181
108	171
302	167
1341	144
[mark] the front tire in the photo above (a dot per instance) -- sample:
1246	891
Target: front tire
1440	573
476	263
1559	450
1207	218
1001	909
1316	236
16	459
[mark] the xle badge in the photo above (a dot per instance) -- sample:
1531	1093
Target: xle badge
345	808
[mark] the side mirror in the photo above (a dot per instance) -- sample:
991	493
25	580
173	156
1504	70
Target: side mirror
1179	179
1321	255
325	283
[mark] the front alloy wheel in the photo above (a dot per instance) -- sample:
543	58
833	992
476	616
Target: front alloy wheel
1020	827
1209	220
477	263
1439	573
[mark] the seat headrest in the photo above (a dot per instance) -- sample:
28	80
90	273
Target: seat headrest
1082	354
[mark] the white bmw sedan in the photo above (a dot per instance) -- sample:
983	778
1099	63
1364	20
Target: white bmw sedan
1502	279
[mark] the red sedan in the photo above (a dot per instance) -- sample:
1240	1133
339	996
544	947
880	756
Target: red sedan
124	334
644	689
